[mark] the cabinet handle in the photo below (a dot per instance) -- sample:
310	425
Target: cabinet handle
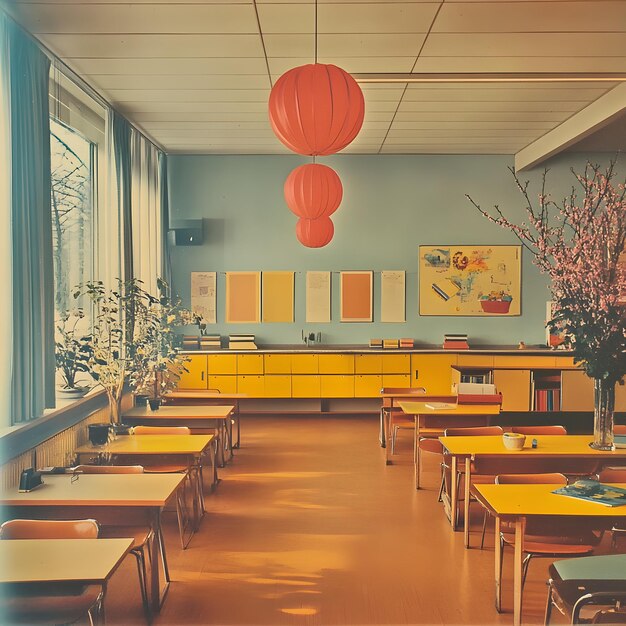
202	376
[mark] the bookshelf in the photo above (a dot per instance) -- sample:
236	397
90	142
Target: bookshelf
546	390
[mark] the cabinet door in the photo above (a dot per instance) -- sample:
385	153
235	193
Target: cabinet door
368	363
253	386
576	391
222	364
337	386
433	372
304	364
196	375
514	385
336	364
223	384
277	363
564	361
396	380
396	364
277	386
303	386
475	360
249	364
620	398
367	385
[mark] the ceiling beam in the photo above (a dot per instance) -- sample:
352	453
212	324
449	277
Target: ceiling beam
587	121
493	77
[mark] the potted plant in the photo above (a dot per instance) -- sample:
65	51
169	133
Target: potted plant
72	353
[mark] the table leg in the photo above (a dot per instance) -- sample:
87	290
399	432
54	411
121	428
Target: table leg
382	435
454	496
229	428
157	554
466	509
520	526
416	451
387	426
498	564
237	418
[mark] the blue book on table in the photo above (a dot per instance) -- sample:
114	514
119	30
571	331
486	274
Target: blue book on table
593	491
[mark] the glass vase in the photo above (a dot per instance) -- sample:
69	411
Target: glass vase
114	411
603	407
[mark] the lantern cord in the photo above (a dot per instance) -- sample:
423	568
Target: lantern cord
316	31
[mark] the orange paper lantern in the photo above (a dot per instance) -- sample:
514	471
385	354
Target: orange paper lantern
315	233
316	109
313	191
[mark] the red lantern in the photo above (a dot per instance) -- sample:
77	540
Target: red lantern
315	233
316	109
313	191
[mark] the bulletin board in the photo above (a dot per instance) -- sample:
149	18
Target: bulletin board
243	297
278	296
356	296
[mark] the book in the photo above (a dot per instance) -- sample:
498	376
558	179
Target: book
439	405
474	388
391	343
406	342
376	343
593	491
619	441
455	345
242	345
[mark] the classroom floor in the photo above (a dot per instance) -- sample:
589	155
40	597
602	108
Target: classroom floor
308	526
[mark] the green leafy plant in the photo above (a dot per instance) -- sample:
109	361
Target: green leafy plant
72	348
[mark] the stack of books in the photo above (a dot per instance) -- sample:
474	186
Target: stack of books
376	343
547	400
391	343
190	342
455	342
406	342
208	342
241	342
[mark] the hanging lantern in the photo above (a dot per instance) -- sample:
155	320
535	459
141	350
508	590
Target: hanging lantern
315	233
316	109
313	191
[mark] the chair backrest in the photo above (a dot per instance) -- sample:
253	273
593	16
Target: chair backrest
539	430
161	430
619	429
473	431
551	478
612	475
109	469
404	390
49	529
428	444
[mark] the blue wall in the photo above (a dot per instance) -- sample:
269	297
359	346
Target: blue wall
391	205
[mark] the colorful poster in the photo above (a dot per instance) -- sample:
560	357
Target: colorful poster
470	280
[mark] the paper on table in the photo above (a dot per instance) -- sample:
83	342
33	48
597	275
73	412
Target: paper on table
392	296
203	295
318	297
439	405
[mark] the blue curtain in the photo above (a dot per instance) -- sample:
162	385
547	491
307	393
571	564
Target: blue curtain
166	269
32	382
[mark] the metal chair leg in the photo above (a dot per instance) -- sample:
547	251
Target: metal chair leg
482	538
548	613
138	553
394	436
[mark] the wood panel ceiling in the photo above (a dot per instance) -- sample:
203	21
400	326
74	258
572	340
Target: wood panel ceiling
196	75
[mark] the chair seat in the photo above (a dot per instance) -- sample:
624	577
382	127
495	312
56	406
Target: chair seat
548	545
140	534
165	469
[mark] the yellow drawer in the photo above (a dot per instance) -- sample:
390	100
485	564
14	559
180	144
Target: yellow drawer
253	386
303	386
368	363
396	364
277	386
523	361
564	361
475	360
433	372
336	364
224	384
396	380
277	363
367	386
196	375
222	364
249	364
304	364
337	386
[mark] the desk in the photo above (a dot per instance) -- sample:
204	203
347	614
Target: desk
516	503
555	447
444	418
115	499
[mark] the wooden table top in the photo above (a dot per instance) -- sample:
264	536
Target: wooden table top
152	444
547	446
181	412
210	395
132	490
537	500
61	560
421	408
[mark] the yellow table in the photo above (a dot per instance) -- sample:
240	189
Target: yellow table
516	503
114	499
444	418
473	449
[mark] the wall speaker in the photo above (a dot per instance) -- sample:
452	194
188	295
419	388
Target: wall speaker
186	233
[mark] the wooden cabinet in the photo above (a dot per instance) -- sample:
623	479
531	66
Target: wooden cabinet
475	360
368	363
305	386
278	385
304	364
396	363
523	361
223	383
253	386
336	364
576	391
337	386
514	385
222	364
277	363
368	385
249	364
196	376
433	372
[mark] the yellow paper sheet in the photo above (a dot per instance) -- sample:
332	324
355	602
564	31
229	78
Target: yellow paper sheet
278	297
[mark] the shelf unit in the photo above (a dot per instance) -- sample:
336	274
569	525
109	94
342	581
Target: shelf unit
546	390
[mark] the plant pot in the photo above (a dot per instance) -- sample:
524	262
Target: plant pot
71	392
154	403
141	400
98	434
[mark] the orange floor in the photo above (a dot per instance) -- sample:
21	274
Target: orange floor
308	526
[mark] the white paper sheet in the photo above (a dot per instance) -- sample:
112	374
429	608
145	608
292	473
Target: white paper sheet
203	295
393	296
318	297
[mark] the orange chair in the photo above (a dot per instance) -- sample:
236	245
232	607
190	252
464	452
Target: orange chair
540	540
397	418
141	536
433	446
539	430
619	429
614	475
47	603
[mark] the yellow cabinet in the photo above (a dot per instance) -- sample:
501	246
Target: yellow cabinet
249	364
433	372
304	364
514	385
576	391
396	363
253	386
396	380
367	385
305	386
222	364
368	363
224	384
277	386
523	361
336	364
196	375
277	363
564	361
475	360
337	386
